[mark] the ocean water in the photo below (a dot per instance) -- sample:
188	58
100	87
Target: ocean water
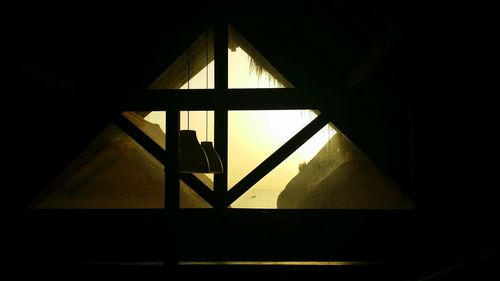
265	198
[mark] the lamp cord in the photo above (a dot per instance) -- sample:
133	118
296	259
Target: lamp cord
206	84
189	48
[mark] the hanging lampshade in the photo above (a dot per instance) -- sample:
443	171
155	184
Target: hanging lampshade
192	157
214	162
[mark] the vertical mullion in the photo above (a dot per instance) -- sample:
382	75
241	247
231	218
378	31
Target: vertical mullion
220	115
171	161
171	199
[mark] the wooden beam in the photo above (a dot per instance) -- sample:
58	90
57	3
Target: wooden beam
140	137
235	99
282	98
276	158
199	187
220	103
172	185
245	99
172	160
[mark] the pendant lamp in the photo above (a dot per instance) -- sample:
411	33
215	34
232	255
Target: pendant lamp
214	162
192	157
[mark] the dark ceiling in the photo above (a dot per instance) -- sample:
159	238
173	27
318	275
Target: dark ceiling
89	44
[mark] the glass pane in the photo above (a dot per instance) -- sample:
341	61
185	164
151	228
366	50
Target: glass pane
200	121
244	72
327	172
204	79
254	135
247	68
158	118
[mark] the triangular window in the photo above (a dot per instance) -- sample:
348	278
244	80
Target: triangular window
276	158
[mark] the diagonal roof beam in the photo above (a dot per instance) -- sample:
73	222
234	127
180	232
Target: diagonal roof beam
367	62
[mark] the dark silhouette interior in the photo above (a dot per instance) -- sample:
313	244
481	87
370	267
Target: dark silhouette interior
392	73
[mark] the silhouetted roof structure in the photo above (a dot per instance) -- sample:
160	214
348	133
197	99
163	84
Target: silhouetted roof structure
394	64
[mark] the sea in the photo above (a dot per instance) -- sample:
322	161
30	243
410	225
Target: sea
258	198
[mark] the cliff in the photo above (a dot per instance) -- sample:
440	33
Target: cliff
340	176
